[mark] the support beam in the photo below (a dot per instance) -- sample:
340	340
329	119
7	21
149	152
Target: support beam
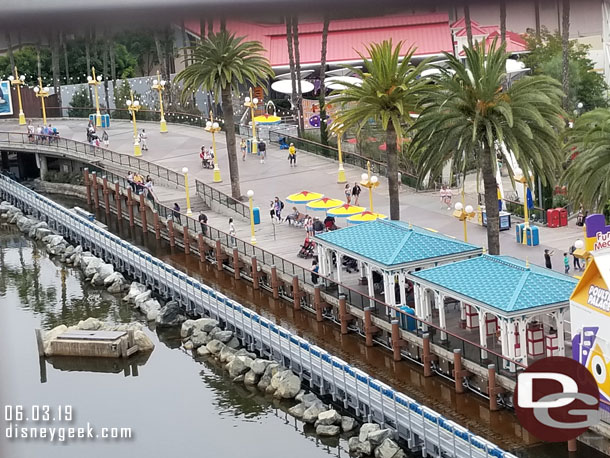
482	333
87	180
369	328
96	197
118	201
275	283
317	303
106	193
458	373
440	302
143	214
427	357
397	341
130	209
559	319
157	225
201	248
186	239
171	233
220	256
345	317
236	274
255	272
296	292
402	281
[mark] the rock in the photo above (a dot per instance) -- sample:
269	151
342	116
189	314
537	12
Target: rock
238	379
269	390
171	315
226	355
213	332
223	336
116	287
35	227
297	411
42	233
299	396
105	270
234	343
348	424
135	289
329	417
377	437
251	378
92	266
265	380
309	399
287	385
199	338
366	429
244	352
90	324
143	341
188	345
389	449
97	280
25	224
52	334
215	346
259	365
150	308
327	430
142	297
187	328
113	278
363	449
203	351
205	324
240	365
311	413
352	444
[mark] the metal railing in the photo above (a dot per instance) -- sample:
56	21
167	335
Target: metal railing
422	428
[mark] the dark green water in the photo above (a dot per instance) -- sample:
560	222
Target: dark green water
173	404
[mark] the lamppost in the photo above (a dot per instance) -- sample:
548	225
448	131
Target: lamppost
522	179
93	81
213	127
337	129
159	85
17	81
185	170
42	92
252	103
134	106
463	213
369	182
250	195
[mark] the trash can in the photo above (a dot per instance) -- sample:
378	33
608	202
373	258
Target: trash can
105	120
92	118
519	232
256	215
563	216
533	236
407	323
249	145
552	217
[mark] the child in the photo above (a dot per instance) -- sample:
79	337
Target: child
566	263
242	146
348	194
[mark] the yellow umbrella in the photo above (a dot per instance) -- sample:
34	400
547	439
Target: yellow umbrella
345	210
365	216
303	197
326	203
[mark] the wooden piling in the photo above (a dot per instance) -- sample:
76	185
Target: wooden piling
236	269
397	341
255	274
96	196
369	328
345	317
458	373
170	231
494	390
143	214
274	283
219	256
87	184
427	355
117	200
572	445
186	239
39	342
201	247
157	225
106	193
296	292
130	207
317	303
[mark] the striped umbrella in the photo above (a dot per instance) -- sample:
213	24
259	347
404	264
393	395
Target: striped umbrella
345	210
303	197
324	204
365	216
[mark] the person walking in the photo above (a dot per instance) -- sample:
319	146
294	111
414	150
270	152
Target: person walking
232	231
292	155
130	181
242	146
203	221
30	131
348	194
566	263
279	206
143	137
176	213
262	151
356	192
105	139
547	258
446	195
148	187
272	210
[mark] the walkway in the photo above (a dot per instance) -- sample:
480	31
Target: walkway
180	147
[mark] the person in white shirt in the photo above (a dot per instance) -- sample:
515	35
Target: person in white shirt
143	138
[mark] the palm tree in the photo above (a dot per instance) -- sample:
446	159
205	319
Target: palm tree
565	49
389	91
470	112
503	21
537	18
587	173
297	66
220	64
293	78
323	131
468	23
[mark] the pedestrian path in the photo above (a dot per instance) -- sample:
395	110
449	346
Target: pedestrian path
180	148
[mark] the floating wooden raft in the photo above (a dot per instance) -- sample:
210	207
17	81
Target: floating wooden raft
102	344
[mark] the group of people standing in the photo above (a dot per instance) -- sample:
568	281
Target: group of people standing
139	185
42	134
352	193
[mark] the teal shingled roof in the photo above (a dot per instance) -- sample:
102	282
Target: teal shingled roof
502	282
392	243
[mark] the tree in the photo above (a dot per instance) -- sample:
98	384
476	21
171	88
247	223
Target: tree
471	111
546	57
297	66
323	130
390	90
80	104
537	17
468	23
293	77
26	62
222	63
588	155
503	21
565	48
54	38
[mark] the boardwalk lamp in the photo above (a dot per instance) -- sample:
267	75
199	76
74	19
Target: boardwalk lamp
213	127
250	195
252	103
463	213
42	92
185	170
520	177
369	182
159	86
17	81
133	106
94	81
337	129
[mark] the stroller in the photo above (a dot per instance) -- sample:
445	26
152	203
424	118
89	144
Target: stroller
283	143
350	264
307	249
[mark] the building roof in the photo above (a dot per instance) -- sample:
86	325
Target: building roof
502	282
428	33
392	244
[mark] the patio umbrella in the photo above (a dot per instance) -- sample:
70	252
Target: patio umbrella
338	82
365	216
324	204
345	210
303	197
285	86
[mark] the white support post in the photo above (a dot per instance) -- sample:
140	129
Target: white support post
482	333
322	260
510	334
462	311
523	341
561	347
439	298
338	271
402	281
504	339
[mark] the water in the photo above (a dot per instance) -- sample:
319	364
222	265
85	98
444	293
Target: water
172	403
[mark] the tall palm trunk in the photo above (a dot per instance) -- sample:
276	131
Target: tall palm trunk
112	63
392	153
160	56
503	21
64	45
185	43
297	64
323	131
492	211
537	17
55	65
293	79
201	28
468	23
88	61
9	46
38	64
565	47
210	27
105	52
223	24
227	103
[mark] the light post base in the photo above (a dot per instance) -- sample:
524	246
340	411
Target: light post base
98	119
254	145
253	240
217	178
21	118
163	126
189	212
137	151
341	175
